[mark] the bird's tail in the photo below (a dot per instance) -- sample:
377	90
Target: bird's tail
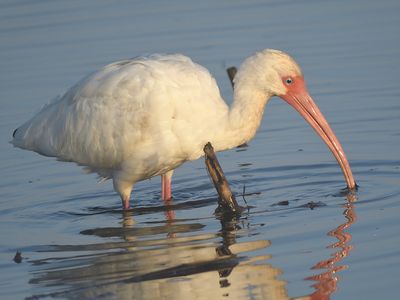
15	132
18	136
37	134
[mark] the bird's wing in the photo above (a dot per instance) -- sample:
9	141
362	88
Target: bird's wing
123	108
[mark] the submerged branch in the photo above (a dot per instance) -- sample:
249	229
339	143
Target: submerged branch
226	201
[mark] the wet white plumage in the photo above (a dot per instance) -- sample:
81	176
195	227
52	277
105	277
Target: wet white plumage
138	118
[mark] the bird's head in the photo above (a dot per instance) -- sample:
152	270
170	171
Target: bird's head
275	73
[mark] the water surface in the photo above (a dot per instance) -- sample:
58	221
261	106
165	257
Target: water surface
303	235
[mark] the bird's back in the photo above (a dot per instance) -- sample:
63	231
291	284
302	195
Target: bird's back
123	115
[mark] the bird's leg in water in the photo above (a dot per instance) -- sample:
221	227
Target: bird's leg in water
125	202
166	185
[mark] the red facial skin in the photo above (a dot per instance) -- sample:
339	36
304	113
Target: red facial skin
297	96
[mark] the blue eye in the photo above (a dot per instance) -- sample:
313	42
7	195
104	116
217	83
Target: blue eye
289	80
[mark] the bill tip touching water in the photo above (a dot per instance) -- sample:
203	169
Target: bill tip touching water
143	117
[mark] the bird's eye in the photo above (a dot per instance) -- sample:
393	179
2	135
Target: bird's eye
289	80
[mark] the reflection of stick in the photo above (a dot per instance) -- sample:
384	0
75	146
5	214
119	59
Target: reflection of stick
226	201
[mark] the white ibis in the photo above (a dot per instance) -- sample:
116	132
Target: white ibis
142	117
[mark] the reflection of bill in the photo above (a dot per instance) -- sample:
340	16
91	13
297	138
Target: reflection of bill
326	282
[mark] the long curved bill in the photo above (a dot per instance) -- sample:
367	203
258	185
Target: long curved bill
305	105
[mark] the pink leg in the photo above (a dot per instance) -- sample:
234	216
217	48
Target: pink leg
166	185
125	202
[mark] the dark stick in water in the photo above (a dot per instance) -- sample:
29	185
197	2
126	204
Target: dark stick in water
226	201
231	73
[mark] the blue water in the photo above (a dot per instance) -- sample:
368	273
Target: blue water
303	236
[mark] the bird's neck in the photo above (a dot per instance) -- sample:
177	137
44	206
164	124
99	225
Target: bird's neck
245	114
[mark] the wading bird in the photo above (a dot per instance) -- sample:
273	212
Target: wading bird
142	117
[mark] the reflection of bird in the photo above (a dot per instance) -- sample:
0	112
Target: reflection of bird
143	117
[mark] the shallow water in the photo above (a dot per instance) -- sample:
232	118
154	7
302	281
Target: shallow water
302	236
